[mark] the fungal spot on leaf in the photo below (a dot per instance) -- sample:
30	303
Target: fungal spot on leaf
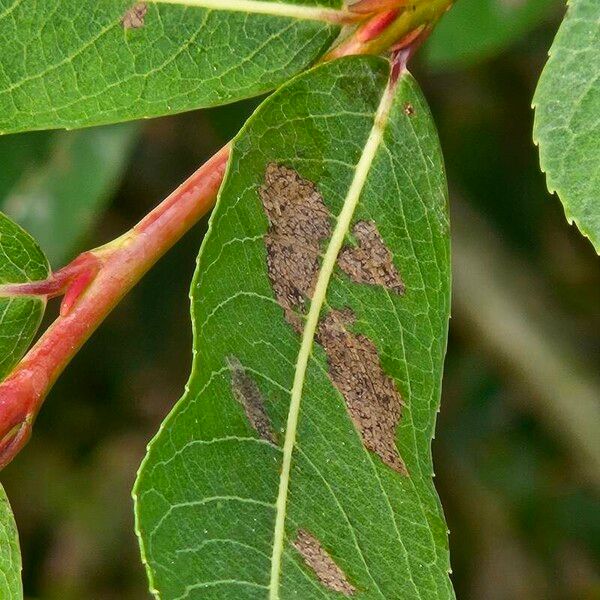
324	567
248	395
135	16
298	222
409	109
371	397
371	262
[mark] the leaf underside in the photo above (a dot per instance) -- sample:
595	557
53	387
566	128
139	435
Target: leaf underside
21	260
75	63
10	555
567	117
362	518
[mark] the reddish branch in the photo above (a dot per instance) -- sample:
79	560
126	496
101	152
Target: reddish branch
93	284
96	281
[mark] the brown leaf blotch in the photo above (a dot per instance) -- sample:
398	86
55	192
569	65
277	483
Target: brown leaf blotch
134	18
372	399
298	222
324	567
248	395
409	109
371	261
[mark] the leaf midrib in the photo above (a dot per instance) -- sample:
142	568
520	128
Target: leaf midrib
276	9
334	247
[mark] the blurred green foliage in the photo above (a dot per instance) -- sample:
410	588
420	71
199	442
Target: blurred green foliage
475	30
524	518
55	184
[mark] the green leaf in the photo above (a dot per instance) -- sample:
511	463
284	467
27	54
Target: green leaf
73	63
62	182
11	587
567	123
21	260
475	30
336	397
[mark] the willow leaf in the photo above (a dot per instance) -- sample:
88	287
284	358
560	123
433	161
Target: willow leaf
21	261
11	587
74	63
567	123
298	463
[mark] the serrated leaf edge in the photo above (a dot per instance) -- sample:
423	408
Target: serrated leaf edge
550	180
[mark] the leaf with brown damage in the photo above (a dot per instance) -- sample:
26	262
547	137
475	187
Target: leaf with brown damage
134	18
248	395
326	272
324	567
371	261
371	396
299	222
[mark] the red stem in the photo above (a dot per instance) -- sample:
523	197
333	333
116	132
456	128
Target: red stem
102	277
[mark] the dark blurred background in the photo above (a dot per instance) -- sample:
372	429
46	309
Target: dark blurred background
517	451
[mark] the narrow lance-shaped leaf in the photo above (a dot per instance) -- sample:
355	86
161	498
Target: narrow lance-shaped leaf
567	122
298	463
74	63
11	587
21	261
475	30
60	190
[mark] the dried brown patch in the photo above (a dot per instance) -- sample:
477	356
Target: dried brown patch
134	18
298	222
248	395
409	109
324	567
371	262
373	402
